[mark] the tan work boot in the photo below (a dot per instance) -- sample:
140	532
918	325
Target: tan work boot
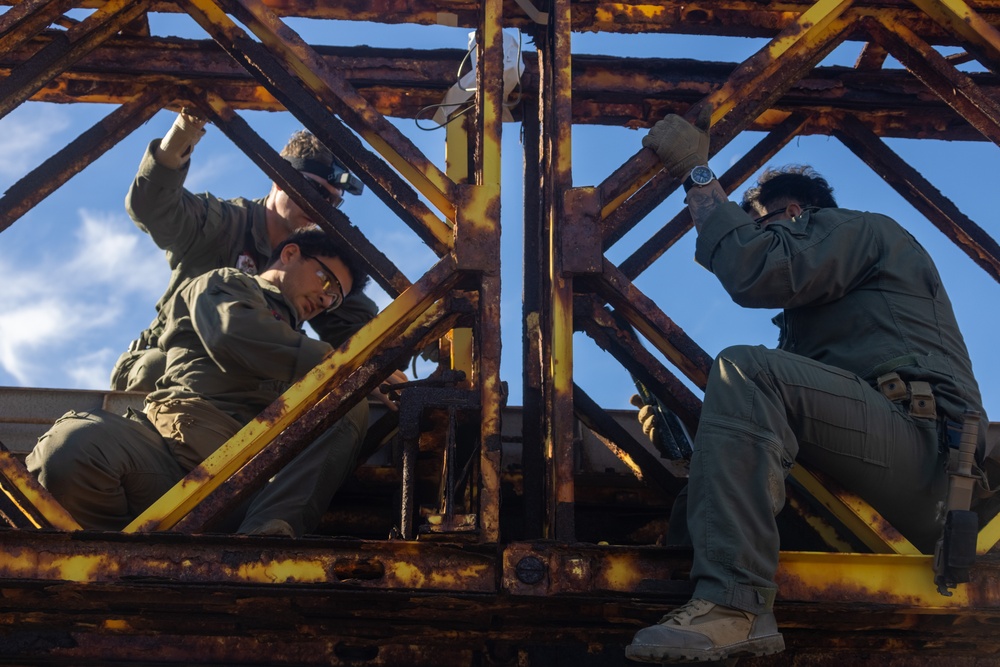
701	630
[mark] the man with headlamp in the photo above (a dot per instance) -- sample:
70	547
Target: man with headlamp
201	232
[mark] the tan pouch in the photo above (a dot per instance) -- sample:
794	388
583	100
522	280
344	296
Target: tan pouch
922	403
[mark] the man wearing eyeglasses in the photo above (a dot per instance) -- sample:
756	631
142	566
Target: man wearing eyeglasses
869	380
202	232
233	344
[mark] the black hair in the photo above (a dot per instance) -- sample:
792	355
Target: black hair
317	243
799	183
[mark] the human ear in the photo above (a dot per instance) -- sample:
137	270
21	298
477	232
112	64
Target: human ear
289	253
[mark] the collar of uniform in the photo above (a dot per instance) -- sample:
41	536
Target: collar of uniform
280	306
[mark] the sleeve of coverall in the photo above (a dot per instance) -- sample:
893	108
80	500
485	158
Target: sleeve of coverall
174	218
815	259
241	332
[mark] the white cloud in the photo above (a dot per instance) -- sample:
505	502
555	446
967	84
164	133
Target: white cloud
92	370
111	252
26	135
206	171
28	322
50	305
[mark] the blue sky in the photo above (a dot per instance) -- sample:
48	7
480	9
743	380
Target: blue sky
82	280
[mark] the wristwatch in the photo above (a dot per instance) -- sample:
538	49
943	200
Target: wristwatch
699	176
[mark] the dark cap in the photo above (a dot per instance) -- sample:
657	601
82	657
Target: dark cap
334	173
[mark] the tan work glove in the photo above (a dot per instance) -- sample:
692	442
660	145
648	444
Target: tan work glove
680	145
175	148
647	417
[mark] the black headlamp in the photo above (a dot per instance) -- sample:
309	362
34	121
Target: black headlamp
335	173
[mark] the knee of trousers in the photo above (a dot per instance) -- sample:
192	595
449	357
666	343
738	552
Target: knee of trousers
357	418
347	435
738	365
748	358
65	452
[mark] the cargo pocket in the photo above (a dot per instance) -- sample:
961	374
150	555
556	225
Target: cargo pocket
193	428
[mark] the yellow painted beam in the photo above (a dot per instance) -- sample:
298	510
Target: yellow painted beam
559	400
989	536
891	579
804	40
35	502
252	438
857	515
810	31
457	159
961	19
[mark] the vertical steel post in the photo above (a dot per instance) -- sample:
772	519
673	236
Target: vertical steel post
534	313
557	334
489	106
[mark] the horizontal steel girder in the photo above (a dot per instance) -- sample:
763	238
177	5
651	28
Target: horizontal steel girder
735	18
606	90
64	598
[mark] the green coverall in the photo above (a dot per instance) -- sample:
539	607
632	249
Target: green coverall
861	299
232	347
200	233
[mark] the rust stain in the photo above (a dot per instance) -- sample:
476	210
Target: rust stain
274	412
792	587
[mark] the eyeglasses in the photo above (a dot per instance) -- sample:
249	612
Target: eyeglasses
331	196
331	286
769	215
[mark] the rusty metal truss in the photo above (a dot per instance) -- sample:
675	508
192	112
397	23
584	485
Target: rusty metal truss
506	570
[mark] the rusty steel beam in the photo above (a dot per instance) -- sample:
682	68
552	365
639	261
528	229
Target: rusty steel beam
477	248
858	516
747	18
903	582
643	463
735	18
534	311
958	90
634	92
621	343
617	224
555	67
28	18
42	181
640	311
65	49
920	193
314	624
872	57
976	33
393	352
387	185
492	400
111	558
332	89
299	398
332	220
24	502
749	91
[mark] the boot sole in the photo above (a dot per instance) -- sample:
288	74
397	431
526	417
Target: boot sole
671	654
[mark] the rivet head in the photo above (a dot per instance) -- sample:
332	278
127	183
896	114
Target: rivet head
530	570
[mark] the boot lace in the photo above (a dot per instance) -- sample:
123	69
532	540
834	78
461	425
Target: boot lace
682	615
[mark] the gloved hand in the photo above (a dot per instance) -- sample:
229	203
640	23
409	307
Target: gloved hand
175	148
650	421
680	145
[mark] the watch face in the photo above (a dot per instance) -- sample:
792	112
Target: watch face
702	175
